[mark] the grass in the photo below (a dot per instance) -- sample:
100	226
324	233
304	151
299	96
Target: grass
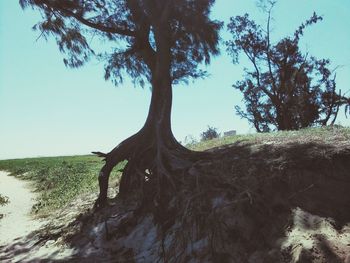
323	134
59	180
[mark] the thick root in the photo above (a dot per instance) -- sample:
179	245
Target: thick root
154	168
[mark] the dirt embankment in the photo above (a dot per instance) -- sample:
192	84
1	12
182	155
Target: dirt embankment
252	202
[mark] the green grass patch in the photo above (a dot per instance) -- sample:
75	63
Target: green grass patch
322	134
58	180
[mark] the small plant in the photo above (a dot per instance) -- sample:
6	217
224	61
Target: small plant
3	200
210	133
190	140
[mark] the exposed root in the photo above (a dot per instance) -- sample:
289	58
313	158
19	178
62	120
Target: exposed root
100	154
155	168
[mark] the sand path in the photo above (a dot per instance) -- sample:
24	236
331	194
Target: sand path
18	238
16	222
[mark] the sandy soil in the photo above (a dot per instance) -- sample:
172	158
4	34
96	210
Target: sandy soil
16	222
18	230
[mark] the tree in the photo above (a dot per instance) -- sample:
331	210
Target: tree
285	89
209	134
156	41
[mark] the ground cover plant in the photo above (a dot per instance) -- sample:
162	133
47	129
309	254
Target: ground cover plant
57	180
3	200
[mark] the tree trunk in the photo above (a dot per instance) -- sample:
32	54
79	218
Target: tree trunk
153	154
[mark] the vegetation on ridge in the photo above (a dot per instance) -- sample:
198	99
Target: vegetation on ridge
59	180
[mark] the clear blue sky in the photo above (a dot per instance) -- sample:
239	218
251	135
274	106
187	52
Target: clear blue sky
47	109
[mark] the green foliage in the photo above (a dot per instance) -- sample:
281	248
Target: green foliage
58	180
209	134
129	28
284	89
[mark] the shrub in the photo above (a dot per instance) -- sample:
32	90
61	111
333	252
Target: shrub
209	134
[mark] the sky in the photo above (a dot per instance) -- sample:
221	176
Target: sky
47	109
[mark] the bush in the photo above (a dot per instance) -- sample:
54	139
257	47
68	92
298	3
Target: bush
210	133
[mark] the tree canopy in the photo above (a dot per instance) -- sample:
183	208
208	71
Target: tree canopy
285	89
129	27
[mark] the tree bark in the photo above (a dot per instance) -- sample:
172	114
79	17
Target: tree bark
153	154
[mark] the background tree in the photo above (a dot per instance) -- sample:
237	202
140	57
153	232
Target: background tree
285	89
160	42
209	134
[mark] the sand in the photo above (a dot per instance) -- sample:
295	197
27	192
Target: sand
17	221
19	231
